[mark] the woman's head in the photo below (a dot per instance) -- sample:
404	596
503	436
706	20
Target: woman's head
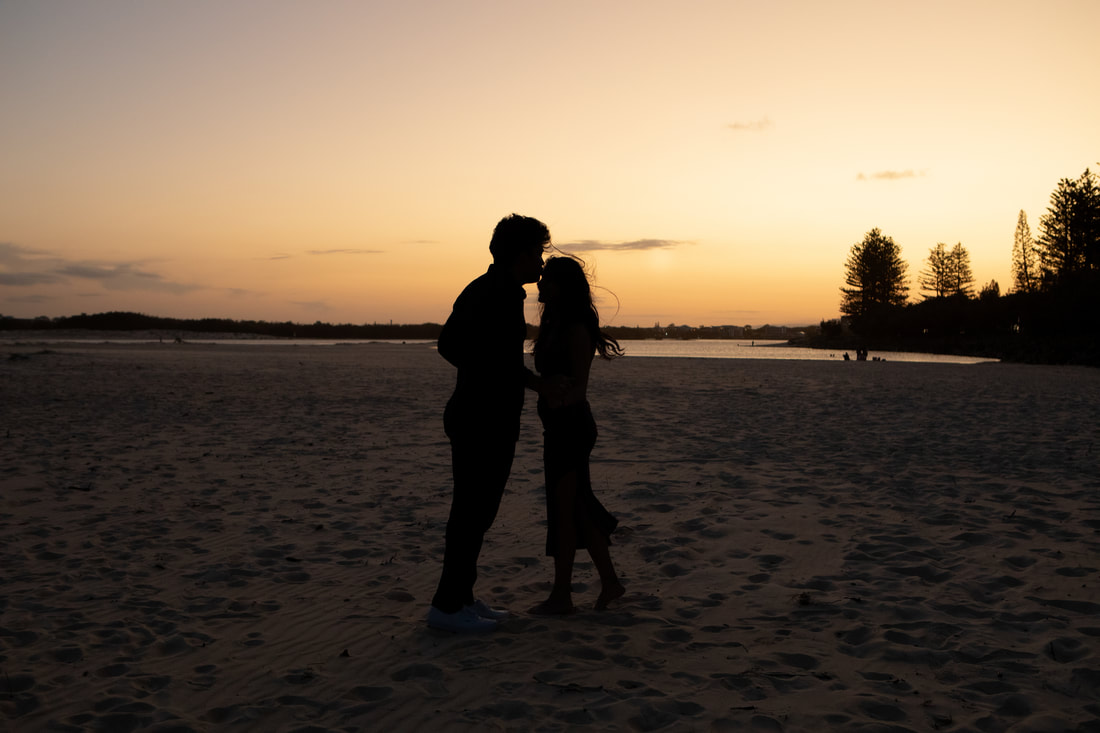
564	284
565	296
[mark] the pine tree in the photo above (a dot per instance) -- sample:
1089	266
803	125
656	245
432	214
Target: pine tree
1069	233
948	272
875	276
1025	263
935	278
961	279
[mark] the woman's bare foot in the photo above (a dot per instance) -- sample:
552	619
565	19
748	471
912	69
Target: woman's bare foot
554	607
608	594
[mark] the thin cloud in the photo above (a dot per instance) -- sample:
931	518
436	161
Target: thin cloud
93	272
26	279
28	268
313	305
756	126
16	257
124	277
638	245
890	175
344	252
31	299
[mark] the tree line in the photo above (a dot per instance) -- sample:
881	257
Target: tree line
128	321
1051	313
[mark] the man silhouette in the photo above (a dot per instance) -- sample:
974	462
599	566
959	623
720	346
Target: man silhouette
483	338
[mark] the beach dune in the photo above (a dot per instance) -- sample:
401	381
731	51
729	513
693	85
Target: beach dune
198	537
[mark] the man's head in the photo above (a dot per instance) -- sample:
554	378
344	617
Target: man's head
518	244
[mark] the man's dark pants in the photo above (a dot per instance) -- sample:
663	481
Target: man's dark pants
480	466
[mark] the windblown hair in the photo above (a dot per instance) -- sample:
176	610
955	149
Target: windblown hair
572	304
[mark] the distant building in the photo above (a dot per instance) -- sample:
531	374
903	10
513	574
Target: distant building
773	332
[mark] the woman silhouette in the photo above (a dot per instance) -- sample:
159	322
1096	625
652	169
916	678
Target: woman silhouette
569	335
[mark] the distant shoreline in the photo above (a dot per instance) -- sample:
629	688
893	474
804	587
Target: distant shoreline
1080	350
137	335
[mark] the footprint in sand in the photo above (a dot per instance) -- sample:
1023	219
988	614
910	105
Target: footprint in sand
673	635
369	694
254	638
296	576
1066	650
769	562
878	710
584	652
799	661
113	670
854	638
1075	572
299	676
67	654
673	570
418	671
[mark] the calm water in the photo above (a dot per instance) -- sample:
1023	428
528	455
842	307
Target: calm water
695	348
745	349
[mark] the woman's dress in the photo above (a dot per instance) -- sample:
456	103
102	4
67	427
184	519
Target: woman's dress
569	434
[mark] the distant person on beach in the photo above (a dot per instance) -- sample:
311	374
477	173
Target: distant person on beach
569	336
483	338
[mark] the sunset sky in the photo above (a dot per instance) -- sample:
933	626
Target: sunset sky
346	162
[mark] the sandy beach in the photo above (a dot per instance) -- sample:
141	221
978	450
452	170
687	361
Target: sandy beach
220	537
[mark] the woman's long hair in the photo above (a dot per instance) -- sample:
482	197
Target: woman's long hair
572	303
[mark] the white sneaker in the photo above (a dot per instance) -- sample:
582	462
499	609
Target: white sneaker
481	608
464	621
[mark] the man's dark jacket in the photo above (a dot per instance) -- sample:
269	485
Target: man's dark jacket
484	338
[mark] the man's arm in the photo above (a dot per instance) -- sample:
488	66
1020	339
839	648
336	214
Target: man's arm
460	341
450	343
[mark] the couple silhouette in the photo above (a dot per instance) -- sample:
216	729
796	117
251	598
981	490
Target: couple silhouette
484	338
